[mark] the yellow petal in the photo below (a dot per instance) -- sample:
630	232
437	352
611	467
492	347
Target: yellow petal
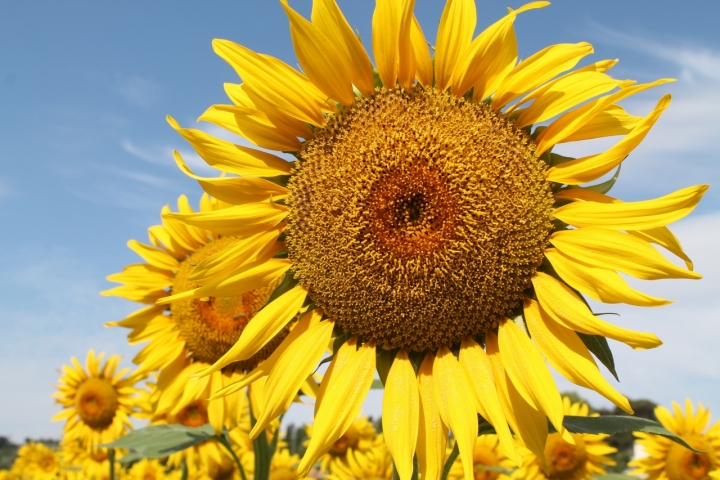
599	283
216	408
276	82
235	190
326	15
664	237
143	275
347	386
455	32
401	414
529	423
291	370
406	49
478	368
240	220
423	61
568	354
617	251
432	432
319	59
563	306
154	256
252	125
589	168
538	69
232	158
566	93
263	327
386	25
642	215
456	405
529	374
571	122
611	121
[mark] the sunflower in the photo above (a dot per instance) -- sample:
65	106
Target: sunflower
372	464
36	461
98	401
581	460
668	461
428	229
188	336
151	470
359	437
485	454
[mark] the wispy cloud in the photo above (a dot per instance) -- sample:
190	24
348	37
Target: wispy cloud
139	91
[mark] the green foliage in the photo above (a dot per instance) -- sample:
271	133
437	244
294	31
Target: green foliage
159	441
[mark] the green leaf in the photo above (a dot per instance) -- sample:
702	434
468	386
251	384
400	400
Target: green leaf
287	284
161	440
484	427
614	476
598	345
611	424
383	362
556	159
377	385
603	187
449	462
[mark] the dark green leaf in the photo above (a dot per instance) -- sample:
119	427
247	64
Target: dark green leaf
377	385
287	284
383	362
162	440
598	345
484	427
450	460
611	424
603	187
556	159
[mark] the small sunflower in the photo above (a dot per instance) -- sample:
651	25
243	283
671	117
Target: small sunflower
188	336
485	454
98	401
147	469
359	437
426	213
372	464
37	461
586	457
670	461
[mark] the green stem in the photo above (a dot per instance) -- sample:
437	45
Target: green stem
111	458
451	459
222	439
183	470
261	447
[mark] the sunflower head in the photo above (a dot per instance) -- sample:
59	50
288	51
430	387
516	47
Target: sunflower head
36	460
674	461
485	454
98	401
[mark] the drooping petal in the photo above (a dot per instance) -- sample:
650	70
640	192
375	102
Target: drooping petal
529	374
291	370
347	386
263	327
643	215
319	58
617	251
568	354
538	69
432	432
401	414
478	368
326	15
664	237
456	404
232	158
564	307
589	168
611	121
154	256
455	32
598	283
240	220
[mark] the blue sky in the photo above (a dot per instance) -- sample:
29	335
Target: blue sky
86	163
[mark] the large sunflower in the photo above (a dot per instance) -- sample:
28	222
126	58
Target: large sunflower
188	336
667	461
581	460
98	400
427	225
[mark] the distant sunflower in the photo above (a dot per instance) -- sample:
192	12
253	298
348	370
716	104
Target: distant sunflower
581	460
188	336
283	465
359	437
426	214
485	454
37	461
667	460
147	469
98	401
372	464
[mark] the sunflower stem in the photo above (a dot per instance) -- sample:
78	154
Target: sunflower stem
449	463
263	449
184	470
223	440
111	458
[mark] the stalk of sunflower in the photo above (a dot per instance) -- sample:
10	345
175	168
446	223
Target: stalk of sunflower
188	336
427	223
665	460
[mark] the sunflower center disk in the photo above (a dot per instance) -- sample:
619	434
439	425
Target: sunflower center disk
566	462
96	403
684	464
417	218
210	326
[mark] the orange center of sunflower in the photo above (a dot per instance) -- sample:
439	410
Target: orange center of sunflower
566	462
96	402
684	464
417	218
211	326
47	462
194	415
349	439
